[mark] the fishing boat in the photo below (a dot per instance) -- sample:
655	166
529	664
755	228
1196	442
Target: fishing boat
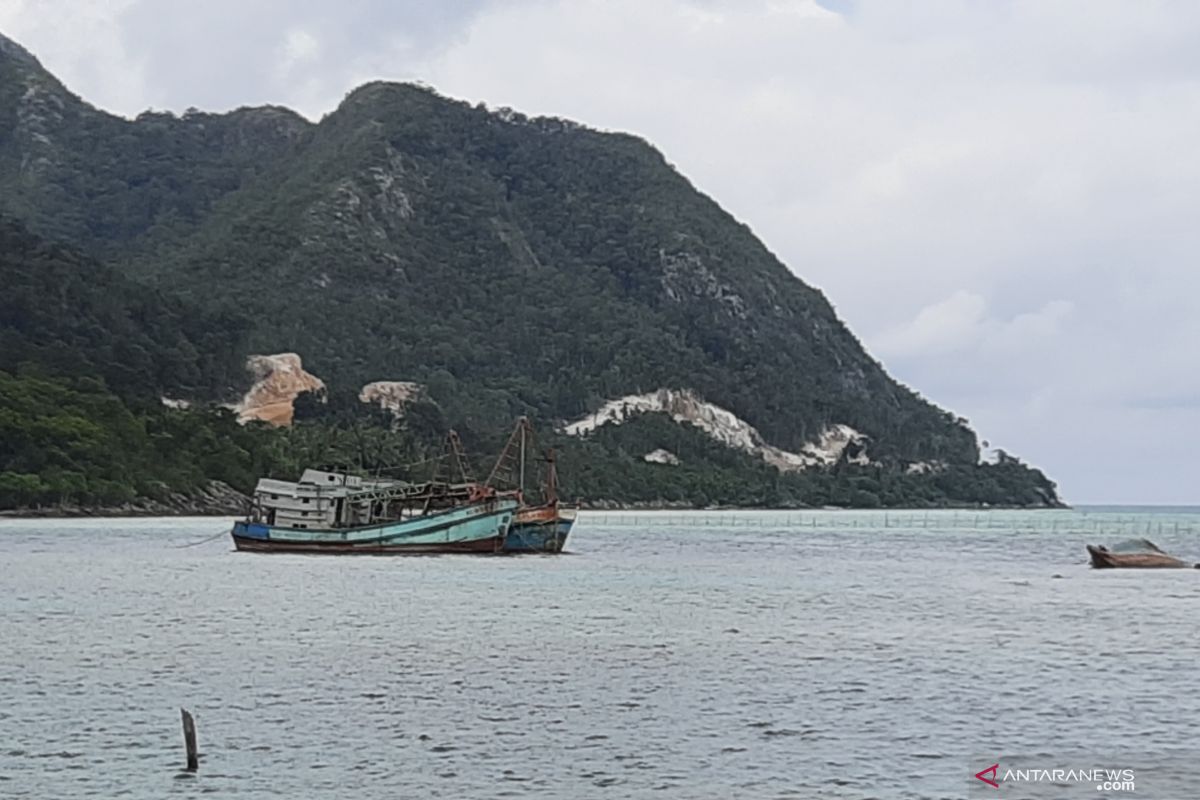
1133	554
475	528
536	528
540	529
338	513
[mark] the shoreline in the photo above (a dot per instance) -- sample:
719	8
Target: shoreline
133	511
216	499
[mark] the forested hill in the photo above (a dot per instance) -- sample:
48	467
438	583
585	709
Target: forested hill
97	181
73	316
509	265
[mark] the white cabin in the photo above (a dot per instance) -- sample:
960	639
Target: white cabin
318	500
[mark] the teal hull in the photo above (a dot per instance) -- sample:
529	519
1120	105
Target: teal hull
538	537
476	528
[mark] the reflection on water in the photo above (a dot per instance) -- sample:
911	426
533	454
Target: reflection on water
700	656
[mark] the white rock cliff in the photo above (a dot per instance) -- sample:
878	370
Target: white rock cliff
722	425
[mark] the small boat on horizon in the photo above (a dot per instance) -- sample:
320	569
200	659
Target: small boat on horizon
1134	554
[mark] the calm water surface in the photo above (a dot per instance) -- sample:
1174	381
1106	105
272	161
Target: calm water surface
750	655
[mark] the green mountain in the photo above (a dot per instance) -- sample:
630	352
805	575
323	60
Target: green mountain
91	179
510	266
85	355
72	315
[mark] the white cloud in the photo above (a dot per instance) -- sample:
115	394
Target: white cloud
957	323
81	43
963	323
299	46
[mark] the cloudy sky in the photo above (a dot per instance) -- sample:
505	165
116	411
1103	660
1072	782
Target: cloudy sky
1000	198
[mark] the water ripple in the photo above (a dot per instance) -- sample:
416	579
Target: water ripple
658	661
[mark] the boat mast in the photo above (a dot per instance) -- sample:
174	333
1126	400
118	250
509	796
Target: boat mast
521	480
509	470
459	454
551	497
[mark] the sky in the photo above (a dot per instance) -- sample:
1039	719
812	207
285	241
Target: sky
999	198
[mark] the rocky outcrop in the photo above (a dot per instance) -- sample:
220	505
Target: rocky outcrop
836	441
685	276
722	425
661	456
391	395
278	380
365	207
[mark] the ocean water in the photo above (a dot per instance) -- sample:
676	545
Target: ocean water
668	655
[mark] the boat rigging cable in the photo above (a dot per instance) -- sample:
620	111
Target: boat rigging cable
202	541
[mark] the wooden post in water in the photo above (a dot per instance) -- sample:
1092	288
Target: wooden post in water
189	740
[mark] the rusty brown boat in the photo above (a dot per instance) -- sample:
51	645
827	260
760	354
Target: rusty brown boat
1134	554
536	528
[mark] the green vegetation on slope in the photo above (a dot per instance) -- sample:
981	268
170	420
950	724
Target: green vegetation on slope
610	465
535	267
78	175
70	441
511	265
73	316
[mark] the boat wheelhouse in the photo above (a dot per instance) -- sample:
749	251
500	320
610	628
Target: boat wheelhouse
323	499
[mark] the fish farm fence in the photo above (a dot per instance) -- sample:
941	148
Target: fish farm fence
1131	525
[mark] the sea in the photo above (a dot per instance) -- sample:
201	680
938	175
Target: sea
802	654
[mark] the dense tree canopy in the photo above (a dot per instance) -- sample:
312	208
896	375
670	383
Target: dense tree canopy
71	315
510	265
